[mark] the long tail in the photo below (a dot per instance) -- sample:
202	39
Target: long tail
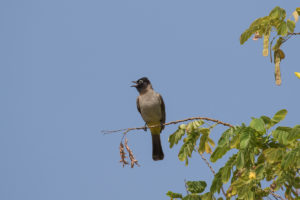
157	152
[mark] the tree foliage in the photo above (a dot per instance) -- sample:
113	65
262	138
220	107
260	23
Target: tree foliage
263	153
277	23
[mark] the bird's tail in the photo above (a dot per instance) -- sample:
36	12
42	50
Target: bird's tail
157	152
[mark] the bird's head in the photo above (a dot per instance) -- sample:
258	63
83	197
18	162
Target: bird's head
142	85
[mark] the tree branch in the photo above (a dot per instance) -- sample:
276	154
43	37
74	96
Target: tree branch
126	130
212	170
276	195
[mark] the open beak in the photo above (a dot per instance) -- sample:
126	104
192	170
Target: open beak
135	84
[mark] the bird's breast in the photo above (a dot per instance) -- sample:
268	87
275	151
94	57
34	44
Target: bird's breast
150	107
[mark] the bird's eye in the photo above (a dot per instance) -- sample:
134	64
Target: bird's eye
140	81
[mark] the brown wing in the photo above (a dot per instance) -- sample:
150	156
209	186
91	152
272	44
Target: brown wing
163	111
138	105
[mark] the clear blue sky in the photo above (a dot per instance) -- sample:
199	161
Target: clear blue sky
66	68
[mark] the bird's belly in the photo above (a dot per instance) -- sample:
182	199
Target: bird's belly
151	112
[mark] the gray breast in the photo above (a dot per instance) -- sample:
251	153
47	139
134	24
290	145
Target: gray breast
150	107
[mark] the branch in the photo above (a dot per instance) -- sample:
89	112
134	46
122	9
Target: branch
293	33
126	130
276	195
212	170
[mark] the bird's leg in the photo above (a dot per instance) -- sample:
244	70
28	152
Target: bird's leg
145	127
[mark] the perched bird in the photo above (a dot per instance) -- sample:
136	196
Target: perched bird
151	106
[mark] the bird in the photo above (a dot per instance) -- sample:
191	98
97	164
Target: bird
151	106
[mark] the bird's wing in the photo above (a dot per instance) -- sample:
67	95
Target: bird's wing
138	105
163	111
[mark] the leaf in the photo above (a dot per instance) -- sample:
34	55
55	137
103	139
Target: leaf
279	116
216	183
196	186
273	155
296	16
245	138
226	171
281	134
257	25
267	121
258	125
298	11
207	196
282	29
186	151
240	160
290	158
176	137
259	171
275	13
294	134
219	153
192	197
174	195
297	74
291	25
203	141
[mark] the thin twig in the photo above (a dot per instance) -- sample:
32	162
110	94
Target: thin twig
126	130
271	48
276	195
293	33
212	170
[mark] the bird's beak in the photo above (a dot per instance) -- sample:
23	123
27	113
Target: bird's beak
135	84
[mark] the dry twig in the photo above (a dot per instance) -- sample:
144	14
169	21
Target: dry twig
132	158
122	155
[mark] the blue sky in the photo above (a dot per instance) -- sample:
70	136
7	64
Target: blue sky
66	68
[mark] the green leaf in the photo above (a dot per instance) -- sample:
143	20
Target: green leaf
267	121
219	153
196	186
291	25
258	125
226	171
240	160
174	195
186	151
290	158
294	134
192	197
280	115
281	134
273	155
259	171
216	183
207	196
275	13
176	137
203	139
245	138
282	29
298	11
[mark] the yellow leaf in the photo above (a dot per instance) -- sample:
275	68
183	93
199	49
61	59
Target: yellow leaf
296	16
297	74
207	148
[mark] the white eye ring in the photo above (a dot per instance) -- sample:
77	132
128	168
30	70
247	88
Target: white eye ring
140	81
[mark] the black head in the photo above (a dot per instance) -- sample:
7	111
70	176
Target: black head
141	84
